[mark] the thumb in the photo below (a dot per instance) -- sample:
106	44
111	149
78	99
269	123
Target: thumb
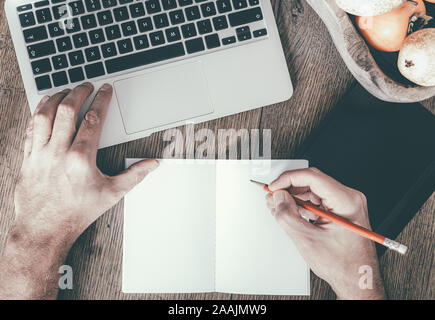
287	214
129	178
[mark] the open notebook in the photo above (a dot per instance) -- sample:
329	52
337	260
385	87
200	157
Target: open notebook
202	226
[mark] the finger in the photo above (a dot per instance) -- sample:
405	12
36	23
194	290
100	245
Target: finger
331	192
270	205
309	196
28	140
64	127
89	133
269	201
307	215
298	190
288	216
43	119
125	181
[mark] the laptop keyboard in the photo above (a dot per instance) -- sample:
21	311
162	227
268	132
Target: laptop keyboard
71	41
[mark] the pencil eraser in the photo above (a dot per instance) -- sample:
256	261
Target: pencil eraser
396	246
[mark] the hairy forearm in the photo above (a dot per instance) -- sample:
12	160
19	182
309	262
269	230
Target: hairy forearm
29	268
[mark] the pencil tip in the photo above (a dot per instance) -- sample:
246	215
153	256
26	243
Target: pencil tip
257	183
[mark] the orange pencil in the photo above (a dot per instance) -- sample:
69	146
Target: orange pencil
391	244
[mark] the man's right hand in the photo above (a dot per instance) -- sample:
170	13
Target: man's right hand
334	253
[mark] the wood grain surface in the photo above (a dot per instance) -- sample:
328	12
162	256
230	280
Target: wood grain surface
320	78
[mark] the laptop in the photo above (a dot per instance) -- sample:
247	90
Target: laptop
171	62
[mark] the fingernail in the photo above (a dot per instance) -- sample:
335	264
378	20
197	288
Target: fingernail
45	99
88	84
154	165
66	91
278	197
106	87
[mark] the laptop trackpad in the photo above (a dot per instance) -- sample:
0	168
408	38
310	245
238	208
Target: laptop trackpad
163	97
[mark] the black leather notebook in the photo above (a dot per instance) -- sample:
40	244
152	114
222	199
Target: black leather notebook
386	150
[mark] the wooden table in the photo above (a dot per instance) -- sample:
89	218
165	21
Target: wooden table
320	79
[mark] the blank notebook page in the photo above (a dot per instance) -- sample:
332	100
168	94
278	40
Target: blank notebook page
253	254
202	226
169	230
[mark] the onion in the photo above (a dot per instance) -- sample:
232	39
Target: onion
369	7
417	57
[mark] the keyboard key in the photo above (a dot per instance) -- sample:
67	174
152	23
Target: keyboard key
145	24
93	5
245	17
80	40
137	10
59	79
109	50
41	66
105	18
146	57
89	21
96	36
195	45
161	20
24	7
260	33
77	7
72	26
125	1
129	28
223	6
41	4
76	58
240	4
212	41
95	70
55	30
204	26
176	16
169	4
64	44
157	38
228	40
43	83
92	54
59	11
243	33
184	2
254	2
125	46
192	13
153	6
59	62
208	9
27	19
41	49
173	34
121	14
113	32
141	42
35	34
109	3
43	15
220	23
188	30
76	75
